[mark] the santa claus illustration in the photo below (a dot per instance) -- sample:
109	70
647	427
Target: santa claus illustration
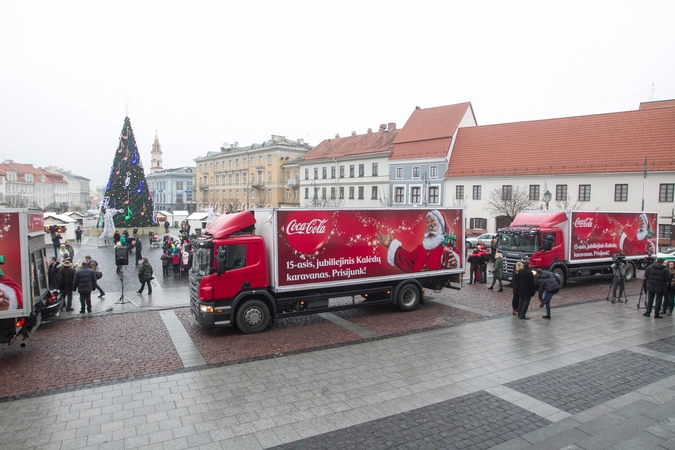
434	253
10	294
641	243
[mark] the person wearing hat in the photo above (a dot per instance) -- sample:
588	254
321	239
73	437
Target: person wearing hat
84	282
93	264
71	251
434	253
63	253
65	275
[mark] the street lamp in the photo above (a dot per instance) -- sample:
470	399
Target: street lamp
547	198
644	182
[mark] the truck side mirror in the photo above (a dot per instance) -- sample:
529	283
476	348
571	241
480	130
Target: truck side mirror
221	259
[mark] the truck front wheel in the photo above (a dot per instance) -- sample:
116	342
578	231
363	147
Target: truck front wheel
408	297
559	272
253	316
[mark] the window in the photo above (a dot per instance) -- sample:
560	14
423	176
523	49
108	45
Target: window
374	169
507	192
620	192
433	172
351	192
323	193
584	192
316	193
316	173
306	174
534	192
478	224
332	172
351	171
332	193
459	192
399	173
362	170
560	192
324	173
476	192
416	173
179	185
433	195
665	231
342	193
360	192
269	160
373	193
342	171
288	195
269	176
415	195
398	195
666	193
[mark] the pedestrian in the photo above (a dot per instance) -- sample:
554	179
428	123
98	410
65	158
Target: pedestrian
185	258
484	258
78	235
56	242
527	287
52	273
670	291
514	284
474	267
116	238
84	282
656	280
71	251
497	271
549	285
63	253
166	226
139	249
166	263
65	278
619	277
493	248
93	264
175	260
145	273
121	253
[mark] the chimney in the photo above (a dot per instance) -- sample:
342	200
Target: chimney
383	127
391	126
353	133
337	136
417	107
370	130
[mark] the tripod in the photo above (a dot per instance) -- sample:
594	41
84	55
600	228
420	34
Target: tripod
123	298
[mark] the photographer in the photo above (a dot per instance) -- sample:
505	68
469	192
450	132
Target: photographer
619	280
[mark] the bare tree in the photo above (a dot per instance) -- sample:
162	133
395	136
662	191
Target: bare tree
387	196
460	202
500	203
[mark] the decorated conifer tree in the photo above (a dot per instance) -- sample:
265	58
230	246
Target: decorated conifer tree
127	190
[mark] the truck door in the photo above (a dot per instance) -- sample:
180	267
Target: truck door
242	269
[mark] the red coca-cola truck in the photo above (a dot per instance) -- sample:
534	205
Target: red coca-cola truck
252	267
578	244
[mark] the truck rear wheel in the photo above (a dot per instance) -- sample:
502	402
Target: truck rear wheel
630	271
408	297
253	316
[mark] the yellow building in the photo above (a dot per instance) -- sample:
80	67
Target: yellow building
257	176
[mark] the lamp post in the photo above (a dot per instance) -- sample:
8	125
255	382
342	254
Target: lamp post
644	182
547	198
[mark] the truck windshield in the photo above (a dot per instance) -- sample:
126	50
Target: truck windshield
526	243
201	262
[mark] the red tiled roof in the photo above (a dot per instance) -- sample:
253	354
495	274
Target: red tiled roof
657	104
432	123
437	148
602	143
362	144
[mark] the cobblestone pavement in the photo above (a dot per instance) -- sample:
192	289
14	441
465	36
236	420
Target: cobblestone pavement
461	372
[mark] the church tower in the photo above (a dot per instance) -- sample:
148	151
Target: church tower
156	156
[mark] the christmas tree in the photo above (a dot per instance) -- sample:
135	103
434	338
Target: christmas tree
127	191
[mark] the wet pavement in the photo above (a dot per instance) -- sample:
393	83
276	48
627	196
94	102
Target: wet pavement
460	372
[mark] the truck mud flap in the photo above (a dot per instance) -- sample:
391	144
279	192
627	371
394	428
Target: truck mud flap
28	329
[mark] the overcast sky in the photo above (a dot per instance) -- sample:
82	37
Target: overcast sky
204	73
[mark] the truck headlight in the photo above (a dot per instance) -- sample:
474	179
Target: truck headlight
206	308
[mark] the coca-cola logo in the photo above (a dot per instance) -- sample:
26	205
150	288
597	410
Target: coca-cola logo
307	231
583	227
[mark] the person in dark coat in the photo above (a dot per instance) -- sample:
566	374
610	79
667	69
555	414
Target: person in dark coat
52	273
84	282
78	235
166	226
66	273
514	283
116	237
166	263
56	242
527	287
474	260
497	272
656	281
139	249
548	287
145	273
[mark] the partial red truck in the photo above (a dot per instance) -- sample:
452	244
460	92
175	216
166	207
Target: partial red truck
252	267
25	298
578	244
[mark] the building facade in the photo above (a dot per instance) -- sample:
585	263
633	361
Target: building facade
173	189
78	189
240	178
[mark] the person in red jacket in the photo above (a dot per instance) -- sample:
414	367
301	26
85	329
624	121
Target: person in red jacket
175	260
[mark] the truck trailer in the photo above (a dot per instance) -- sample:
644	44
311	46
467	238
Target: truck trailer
25	298
252	267
578	244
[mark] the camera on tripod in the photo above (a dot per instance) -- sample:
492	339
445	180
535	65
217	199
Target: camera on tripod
619	257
